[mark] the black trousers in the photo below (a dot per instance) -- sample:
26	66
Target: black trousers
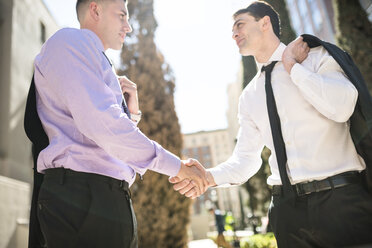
340	217
80	210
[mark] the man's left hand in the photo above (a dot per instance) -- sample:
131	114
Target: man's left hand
130	93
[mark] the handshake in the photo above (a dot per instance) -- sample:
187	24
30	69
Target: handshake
192	180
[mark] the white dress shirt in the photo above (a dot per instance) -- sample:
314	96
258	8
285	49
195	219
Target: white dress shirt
314	104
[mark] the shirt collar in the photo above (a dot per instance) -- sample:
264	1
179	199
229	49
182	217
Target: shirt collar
96	39
276	56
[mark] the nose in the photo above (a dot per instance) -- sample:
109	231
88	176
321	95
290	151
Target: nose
235	34
127	27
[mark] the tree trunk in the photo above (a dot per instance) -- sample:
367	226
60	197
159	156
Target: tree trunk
162	213
354	35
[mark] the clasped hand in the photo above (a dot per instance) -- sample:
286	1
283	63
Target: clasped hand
192	180
129	90
296	52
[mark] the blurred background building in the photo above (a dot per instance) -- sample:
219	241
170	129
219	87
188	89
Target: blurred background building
312	17
367	5
24	27
317	17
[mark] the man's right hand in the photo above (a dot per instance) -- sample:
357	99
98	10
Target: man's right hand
295	52
192	179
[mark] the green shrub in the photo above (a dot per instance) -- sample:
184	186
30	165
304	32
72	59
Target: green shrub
259	241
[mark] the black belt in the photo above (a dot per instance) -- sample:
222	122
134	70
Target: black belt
336	181
62	174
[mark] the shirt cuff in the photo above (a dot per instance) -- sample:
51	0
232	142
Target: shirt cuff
299	74
134	122
219	177
168	163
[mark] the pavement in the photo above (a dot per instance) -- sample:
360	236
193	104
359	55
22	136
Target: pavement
208	243
202	243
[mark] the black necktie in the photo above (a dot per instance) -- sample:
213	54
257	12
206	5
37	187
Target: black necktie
125	108
281	155
123	103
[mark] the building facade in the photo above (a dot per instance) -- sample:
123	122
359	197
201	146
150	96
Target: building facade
312	17
24	27
367	5
234	90
316	17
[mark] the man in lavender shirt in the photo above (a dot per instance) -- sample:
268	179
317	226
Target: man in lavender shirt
95	148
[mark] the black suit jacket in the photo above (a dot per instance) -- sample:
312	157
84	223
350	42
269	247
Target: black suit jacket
361	119
35	132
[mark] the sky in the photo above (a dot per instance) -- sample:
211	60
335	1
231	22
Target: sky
196	40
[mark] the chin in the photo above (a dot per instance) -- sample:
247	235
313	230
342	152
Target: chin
117	47
245	52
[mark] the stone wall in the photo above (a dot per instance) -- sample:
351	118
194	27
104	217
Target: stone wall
14	212
23	23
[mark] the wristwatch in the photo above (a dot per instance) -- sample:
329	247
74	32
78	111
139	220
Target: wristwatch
136	117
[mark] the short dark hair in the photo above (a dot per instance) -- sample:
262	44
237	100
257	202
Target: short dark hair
79	3
259	9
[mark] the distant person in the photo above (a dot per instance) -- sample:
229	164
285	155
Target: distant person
298	105
220	225
94	148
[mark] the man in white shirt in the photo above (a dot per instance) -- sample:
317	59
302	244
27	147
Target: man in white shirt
314	100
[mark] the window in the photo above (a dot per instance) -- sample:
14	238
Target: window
367	6
207	156
304	16
316	15
185	152
302	8
205	149
195	151
296	23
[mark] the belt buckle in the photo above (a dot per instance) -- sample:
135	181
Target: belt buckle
301	191
122	185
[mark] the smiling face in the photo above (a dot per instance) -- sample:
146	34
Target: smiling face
113	24
248	34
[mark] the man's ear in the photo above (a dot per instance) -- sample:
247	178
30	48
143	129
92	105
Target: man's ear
94	10
265	23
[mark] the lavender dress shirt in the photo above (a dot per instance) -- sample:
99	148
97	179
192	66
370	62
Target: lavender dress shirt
79	104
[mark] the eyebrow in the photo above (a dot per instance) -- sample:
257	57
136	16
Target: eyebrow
240	19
